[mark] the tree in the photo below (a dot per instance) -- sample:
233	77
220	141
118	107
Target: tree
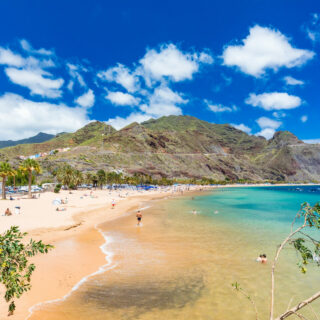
102	178
30	166
5	171
77	178
65	175
15	268
88	178
308	248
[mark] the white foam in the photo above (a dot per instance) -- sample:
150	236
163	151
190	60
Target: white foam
102	269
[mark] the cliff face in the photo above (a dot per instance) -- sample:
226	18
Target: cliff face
182	147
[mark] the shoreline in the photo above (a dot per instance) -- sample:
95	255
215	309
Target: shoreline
79	262
85	230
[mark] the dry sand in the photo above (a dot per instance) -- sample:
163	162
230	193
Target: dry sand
74	234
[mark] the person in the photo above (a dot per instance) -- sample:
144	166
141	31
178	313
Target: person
8	212
194	211
262	258
113	203
139	217
11	198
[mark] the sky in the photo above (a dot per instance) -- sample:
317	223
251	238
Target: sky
251	63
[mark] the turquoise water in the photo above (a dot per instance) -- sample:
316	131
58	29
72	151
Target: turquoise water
180	265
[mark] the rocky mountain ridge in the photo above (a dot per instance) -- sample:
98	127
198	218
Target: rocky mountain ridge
180	147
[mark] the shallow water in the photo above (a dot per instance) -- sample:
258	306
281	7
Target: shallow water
179	265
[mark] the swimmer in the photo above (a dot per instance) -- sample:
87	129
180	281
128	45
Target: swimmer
216	212
194	211
262	258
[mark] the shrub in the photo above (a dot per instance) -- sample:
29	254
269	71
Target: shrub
57	188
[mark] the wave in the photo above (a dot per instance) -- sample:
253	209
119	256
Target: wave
106	267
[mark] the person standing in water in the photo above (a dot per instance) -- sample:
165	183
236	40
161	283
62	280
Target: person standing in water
139	217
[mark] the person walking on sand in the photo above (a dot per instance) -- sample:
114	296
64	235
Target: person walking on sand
113	203
139	217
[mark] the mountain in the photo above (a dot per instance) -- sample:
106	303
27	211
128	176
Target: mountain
180	147
40	137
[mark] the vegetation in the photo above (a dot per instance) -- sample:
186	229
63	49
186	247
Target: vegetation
30	166
57	188
102	177
15	267
69	176
5	171
307	245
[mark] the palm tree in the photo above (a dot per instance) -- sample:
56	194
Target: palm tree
88	178
29	166
102	178
65	175
5	171
77	178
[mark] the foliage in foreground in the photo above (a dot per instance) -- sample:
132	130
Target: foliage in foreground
15	268
307	245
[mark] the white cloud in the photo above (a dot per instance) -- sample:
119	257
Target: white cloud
163	102
274	101
86	100
264	48
172	63
119	123
7	57
219	107
75	74
312	28
292	81
121	75
38	81
268	127
279	114
268	133
242	127
312	141
27	47
122	99
265	122
304	118
21	118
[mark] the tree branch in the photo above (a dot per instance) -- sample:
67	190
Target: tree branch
275	262
298	307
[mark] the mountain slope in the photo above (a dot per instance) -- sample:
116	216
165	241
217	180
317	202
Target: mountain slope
40	137
181	147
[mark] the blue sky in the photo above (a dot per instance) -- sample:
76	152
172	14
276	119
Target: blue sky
252	63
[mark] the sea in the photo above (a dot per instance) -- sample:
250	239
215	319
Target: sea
181	263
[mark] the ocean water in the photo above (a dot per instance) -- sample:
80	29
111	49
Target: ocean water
181	265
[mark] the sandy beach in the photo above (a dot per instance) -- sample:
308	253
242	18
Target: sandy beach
73	232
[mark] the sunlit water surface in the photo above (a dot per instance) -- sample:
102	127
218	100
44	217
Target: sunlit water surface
179	265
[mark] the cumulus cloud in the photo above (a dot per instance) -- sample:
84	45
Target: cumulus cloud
38	81
7	57
268	133
268	127
86	100
22	118
172	63
304	118
242	127
274	101
163	102
265	122
292	81
119	122
263	49
122	76
122	99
